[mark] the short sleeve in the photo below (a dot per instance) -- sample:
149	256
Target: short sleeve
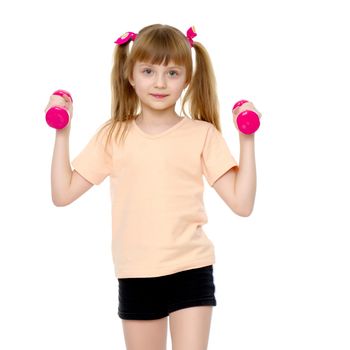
216	156
94	163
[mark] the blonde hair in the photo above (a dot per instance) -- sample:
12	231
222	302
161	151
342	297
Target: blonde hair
160	44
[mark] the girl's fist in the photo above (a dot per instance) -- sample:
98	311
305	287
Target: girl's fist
60	101
59	110
248	122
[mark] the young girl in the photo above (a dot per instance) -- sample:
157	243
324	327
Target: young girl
155	159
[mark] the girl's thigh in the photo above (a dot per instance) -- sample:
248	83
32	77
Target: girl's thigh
145	334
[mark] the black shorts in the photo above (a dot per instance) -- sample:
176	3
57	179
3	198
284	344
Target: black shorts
149	298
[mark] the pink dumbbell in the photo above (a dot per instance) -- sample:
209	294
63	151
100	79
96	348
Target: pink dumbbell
247	121
58	117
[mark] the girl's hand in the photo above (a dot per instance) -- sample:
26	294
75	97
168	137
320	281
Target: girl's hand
65	101
245	106
56	100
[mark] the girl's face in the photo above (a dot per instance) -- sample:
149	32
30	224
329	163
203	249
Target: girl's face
158	86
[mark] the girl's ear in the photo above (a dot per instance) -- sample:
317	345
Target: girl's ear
131	81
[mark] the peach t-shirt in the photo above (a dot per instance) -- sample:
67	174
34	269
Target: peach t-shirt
156	188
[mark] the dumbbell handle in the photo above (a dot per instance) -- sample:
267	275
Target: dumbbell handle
247	121
58	116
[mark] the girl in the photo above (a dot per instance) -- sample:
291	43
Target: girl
155	159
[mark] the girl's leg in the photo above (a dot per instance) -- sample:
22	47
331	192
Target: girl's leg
190	327
145	334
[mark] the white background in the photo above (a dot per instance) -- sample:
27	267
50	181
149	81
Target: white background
282	274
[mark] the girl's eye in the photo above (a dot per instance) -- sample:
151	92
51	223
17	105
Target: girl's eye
149	71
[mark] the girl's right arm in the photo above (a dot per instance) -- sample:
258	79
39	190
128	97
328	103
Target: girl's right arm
66	185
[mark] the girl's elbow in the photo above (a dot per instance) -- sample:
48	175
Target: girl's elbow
244	212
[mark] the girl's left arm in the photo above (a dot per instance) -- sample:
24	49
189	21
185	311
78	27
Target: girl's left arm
245	181
237	187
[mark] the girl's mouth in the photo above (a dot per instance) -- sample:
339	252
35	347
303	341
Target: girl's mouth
159	96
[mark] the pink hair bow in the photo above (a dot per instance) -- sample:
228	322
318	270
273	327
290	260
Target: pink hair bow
191	33
126	37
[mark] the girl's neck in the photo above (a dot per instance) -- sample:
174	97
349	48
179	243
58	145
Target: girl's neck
156	118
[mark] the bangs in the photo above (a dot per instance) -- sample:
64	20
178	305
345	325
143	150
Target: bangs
162	47
160	52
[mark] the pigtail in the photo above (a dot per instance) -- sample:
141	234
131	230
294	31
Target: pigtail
124	101
124	98
201	93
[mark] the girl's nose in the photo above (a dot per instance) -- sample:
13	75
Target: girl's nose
160	81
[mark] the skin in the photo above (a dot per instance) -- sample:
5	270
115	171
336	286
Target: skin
149	80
